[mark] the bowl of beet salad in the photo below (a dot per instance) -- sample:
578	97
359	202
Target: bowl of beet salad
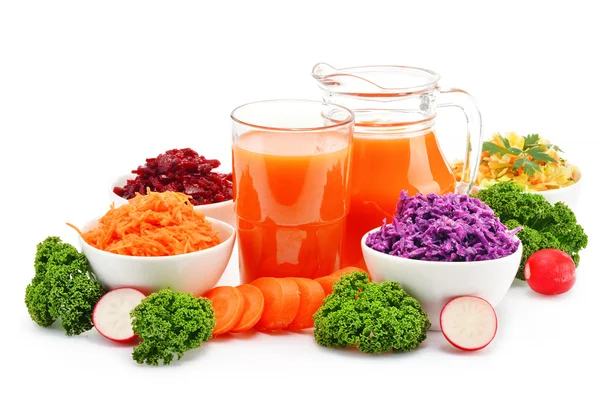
184	171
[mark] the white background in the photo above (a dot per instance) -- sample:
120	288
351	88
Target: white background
88	90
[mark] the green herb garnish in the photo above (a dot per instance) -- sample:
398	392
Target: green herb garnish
529	158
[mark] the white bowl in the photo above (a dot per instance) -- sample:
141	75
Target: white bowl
569	195
434	283
195	272
222	211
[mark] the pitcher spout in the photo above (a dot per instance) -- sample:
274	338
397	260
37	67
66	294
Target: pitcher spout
322	70
354	80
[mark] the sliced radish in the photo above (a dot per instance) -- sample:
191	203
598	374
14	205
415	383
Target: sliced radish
111	314
468	322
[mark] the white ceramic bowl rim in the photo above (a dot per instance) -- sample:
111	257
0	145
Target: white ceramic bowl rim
125	177
228	229
448	263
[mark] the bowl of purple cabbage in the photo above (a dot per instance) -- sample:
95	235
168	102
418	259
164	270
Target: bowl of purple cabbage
439	247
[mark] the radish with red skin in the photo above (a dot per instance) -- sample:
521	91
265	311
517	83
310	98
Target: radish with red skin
550	272
469	323
111	315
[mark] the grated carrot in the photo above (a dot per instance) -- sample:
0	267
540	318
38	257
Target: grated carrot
157	224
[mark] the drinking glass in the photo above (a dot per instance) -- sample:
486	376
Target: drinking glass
290	186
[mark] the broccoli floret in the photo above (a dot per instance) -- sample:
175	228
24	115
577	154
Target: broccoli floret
563	225
170	323
36	300
545	226
375	317
63	288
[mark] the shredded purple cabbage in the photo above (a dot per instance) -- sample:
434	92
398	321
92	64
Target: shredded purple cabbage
452	227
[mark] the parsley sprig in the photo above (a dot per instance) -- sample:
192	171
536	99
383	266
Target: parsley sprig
529	157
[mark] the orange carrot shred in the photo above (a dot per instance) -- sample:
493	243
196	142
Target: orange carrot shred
155	224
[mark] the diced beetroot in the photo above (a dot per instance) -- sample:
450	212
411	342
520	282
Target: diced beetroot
180	170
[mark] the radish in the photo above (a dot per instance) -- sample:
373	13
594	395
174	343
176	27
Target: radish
111	314
468	322
550	272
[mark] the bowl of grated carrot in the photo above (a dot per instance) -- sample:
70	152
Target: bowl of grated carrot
157	240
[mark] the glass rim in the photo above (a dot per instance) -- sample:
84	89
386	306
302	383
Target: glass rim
347	121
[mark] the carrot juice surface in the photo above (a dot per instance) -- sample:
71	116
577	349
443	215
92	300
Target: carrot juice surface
382	166
291	200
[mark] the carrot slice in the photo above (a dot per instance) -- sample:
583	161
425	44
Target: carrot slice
311	298
326	283
282	299
228	303
254	304
348	270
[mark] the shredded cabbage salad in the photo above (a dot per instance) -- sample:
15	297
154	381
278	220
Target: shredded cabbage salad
532	162
451	227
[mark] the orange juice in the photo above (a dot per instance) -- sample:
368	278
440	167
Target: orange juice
291	201
382	166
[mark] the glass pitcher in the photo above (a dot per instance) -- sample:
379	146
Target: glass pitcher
394	145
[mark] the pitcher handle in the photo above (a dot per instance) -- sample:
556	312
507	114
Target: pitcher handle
463	100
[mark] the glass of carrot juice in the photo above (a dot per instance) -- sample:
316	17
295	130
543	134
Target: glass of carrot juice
290	186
